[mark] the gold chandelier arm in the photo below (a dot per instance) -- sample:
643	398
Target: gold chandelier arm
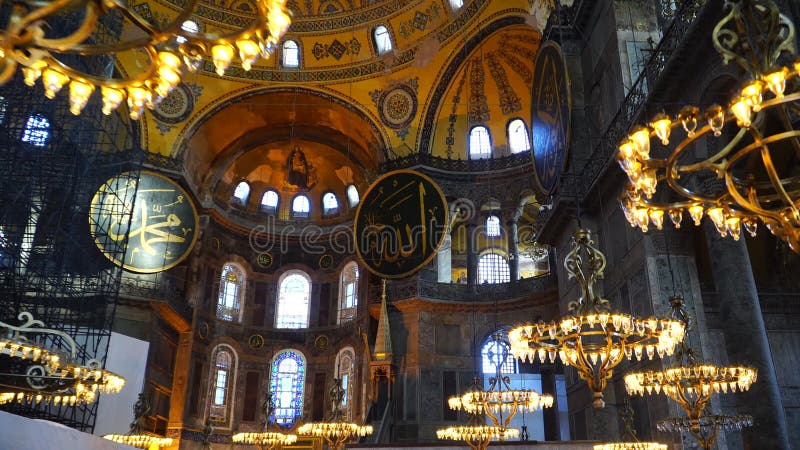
763	146
110	82
82	33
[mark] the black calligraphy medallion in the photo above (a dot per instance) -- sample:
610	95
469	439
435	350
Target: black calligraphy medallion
400	223
550	116
162	228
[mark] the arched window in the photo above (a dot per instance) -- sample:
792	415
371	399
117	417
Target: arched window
189	26
223	379
456	4
492	226
294	293
345	366
518	140
301	207
37	130
287	383
383	40
269	201
290	54
496	352
493	268
352	196
348	292
330	204
231	292
480	145
241	193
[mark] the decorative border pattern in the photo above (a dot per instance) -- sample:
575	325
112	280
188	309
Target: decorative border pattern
336	49
509	100
449	73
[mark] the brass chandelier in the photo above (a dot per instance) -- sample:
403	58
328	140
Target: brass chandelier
49	376
336	430
752	179
476	434
593	339
692	384
631	441
499	402
32	39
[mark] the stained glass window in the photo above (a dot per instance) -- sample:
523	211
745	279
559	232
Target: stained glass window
497	352
480	145
348	292
37	130
294	294
345	364
493	268
223	374
241	193
231	288
287	383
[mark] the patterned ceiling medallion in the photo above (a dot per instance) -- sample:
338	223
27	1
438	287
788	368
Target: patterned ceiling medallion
176	107
398	106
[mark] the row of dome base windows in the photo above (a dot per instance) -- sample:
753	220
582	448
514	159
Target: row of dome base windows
301	204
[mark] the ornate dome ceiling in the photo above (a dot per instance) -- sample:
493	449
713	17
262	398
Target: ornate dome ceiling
345	97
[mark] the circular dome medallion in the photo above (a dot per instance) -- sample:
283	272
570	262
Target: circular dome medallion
176	107
398	106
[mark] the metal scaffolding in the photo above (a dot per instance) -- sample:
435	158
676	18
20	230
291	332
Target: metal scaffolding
51	165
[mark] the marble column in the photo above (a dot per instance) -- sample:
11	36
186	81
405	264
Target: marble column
746	341
472	253
513	249
550	415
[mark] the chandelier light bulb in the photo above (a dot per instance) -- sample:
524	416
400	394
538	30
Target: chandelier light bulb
138	97
676	216
657	217
53	81
751	93
696	213
222	55
249	52
627	149
751	226
662	125
717	215
776	81
33	72
715	115
688	118
732	225
641	139
79	93
741	109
